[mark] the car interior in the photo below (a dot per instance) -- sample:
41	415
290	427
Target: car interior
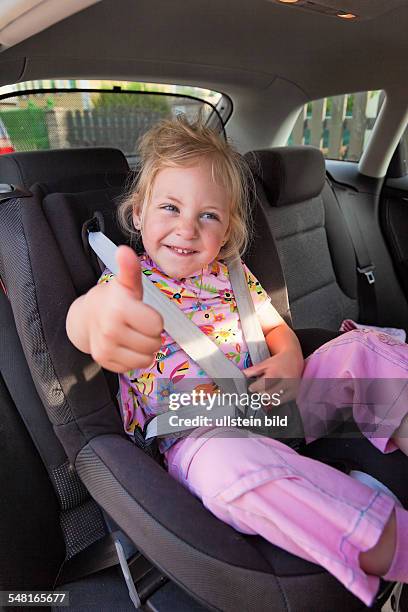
82	505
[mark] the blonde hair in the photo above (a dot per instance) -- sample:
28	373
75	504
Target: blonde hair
178	143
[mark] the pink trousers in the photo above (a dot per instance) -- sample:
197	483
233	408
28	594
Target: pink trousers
259	485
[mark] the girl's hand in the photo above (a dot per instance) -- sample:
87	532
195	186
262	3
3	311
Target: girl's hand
124	333
277	374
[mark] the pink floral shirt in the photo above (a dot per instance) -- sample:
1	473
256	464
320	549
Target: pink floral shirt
209	302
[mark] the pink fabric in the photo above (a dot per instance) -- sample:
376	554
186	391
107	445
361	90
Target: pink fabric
349	325
364	369
260	486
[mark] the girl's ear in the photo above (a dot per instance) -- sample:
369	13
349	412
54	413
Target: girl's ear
136	211
136	220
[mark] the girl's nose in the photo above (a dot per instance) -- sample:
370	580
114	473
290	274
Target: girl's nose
187	228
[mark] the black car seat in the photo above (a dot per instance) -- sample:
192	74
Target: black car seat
316	244
44	266
65	536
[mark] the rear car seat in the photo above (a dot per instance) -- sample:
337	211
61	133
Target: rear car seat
314	244
44	268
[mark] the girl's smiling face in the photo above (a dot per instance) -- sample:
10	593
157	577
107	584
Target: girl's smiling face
186	221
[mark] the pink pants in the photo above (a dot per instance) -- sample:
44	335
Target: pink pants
261	486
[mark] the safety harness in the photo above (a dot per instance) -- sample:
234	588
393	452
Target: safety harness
225	374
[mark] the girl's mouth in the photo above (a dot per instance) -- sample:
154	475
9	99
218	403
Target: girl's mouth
182	252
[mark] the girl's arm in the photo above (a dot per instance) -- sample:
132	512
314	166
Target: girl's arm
282	339
286	359
78	318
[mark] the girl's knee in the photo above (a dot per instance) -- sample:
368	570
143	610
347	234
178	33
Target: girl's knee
238	462
215	465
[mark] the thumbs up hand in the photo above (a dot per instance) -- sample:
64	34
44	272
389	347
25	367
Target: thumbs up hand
124	333
130	274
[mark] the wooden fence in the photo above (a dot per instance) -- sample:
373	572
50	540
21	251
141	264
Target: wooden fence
118	128
340	133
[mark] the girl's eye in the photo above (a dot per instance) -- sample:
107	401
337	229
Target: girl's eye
170	207
208	215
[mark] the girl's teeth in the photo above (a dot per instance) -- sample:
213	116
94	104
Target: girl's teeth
183	251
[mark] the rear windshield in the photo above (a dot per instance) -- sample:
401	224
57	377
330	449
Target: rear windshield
64	114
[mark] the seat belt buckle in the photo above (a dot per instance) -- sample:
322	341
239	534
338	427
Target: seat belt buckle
368	272
96	223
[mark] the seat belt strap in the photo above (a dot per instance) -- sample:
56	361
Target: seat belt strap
365	268
251	327
188	336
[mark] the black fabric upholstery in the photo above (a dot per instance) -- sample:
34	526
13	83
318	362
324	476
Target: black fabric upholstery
289	174
340	245
312	338
25	169
31	543
66	214
73	498
394	217
17	377
37	281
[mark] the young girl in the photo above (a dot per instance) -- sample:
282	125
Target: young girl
190	208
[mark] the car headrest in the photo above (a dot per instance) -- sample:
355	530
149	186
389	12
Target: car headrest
289	174
25	169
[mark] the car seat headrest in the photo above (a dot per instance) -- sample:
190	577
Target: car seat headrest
25	169
289	174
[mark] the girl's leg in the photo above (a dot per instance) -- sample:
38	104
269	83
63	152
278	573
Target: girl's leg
364	370
400	436
260	486
377	560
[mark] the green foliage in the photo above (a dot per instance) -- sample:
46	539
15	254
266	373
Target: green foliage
153	102
26	128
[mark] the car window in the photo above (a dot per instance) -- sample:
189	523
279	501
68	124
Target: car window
64	113
340	126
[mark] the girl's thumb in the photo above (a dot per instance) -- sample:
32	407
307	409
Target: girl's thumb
130	273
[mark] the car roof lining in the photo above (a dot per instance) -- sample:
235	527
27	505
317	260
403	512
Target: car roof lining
20	19
296	56
307	49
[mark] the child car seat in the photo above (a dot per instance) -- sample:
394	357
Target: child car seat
44	267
